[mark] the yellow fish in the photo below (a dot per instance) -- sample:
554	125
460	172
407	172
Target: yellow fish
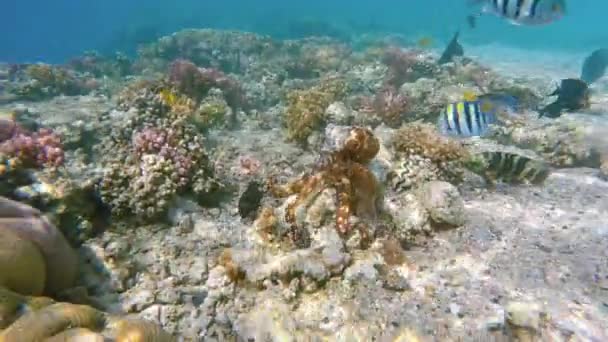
425	42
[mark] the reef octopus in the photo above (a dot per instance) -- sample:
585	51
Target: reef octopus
345	170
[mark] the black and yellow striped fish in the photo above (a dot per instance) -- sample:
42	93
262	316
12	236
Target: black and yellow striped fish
511	168
524	12
466	119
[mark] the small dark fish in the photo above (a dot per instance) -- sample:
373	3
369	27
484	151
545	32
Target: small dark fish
472	21
513	168
250	199
572	94
453	49
594	66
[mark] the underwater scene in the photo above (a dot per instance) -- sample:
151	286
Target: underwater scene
304	171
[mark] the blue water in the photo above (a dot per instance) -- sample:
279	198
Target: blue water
53	31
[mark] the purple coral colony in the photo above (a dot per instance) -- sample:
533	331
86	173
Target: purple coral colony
220	182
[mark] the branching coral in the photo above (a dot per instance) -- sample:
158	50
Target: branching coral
306	108
344	170
406	66
388	104
196	82
21	149
156	156
425	155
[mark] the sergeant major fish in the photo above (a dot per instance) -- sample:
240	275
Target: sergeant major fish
509	168
473	116
522	12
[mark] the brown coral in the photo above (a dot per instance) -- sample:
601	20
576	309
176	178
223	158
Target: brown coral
356	187
306	108
426	155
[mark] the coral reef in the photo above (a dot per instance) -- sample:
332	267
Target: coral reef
229	51
407	66
388	105
196	82
22	151
157	155
94	63
359	235
43	81
312	57
425	155
306	108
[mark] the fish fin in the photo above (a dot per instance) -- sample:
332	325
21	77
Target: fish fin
487	106
469	96
515	22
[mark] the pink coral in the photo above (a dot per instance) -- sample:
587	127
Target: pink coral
164	143
400	65
196	82
37	149
8	128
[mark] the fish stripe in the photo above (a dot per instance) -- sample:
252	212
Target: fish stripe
527	172
468	118
541	175
484	119
518	8
533	8
456	119
446	121
520	165
512	8
477	118
450	115
495	161
507	165
505	4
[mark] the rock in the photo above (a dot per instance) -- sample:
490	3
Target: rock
443	203
408	214
362	270
524	315
250	199
339	113
395	281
